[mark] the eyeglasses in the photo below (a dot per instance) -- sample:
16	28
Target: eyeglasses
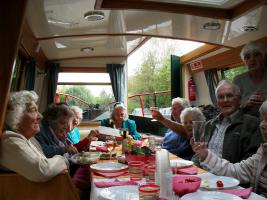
222	97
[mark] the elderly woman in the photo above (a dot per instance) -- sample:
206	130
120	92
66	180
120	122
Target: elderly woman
119	119
74	135
17	153
55	126
189	115
253	83
251	170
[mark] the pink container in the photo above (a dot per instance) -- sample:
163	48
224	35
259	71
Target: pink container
185	184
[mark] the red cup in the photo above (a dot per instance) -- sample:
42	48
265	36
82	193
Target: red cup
148	191
136	170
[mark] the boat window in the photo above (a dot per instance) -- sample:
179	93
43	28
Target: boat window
230	73
90	91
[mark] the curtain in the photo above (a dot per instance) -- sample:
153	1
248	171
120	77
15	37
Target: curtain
52	78
30	67
117	77
176	77
211	82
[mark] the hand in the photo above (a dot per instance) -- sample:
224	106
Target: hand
157	115
199	148
255	100
70	149
93	135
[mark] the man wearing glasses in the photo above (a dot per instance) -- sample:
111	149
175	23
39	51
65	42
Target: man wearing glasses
232	135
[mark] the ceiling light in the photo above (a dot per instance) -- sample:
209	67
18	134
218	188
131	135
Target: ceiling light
94	15
212	26
87	49
249	28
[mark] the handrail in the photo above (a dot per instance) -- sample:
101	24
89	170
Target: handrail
147	94
71	96
129	97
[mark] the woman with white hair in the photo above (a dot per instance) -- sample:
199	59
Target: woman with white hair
189	115
253	83
119	120
17	153
74	135
252	170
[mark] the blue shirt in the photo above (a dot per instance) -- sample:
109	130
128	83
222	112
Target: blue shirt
74	136
177	145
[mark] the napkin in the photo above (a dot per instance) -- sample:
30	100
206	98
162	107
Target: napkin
111	174
243	193
189	171
102	149
114	183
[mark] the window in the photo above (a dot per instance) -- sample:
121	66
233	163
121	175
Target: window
90	91
230	73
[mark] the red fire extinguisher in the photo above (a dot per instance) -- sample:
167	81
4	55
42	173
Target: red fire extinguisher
192	92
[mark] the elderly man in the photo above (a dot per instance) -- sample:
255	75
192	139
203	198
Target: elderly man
173	142
232	135
175	139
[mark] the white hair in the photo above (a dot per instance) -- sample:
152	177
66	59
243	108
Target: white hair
252	47
263	109
17	104
183	102
236	89
77	111
196	114
117	106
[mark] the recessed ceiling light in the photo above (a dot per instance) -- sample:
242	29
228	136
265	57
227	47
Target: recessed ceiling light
249	28
212	26
94	15
87	49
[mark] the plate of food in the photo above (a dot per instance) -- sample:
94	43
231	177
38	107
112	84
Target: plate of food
181	163
210	195
109	167
85	158
219	182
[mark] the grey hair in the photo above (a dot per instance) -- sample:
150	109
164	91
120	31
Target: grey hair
236	89
252	47
77	110
17	104
263	109
182	101
196	114
54	113
120	105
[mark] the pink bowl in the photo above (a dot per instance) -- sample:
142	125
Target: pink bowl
185	184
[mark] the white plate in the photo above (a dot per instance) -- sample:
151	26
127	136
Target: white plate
109	167
119	193
209	195
97	143
181	163
210	183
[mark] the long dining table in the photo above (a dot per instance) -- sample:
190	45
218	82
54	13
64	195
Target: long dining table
95	191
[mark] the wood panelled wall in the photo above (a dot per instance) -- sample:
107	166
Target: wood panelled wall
11	22
226	59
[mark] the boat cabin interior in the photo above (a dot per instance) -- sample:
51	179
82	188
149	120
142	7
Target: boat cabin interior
93	36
